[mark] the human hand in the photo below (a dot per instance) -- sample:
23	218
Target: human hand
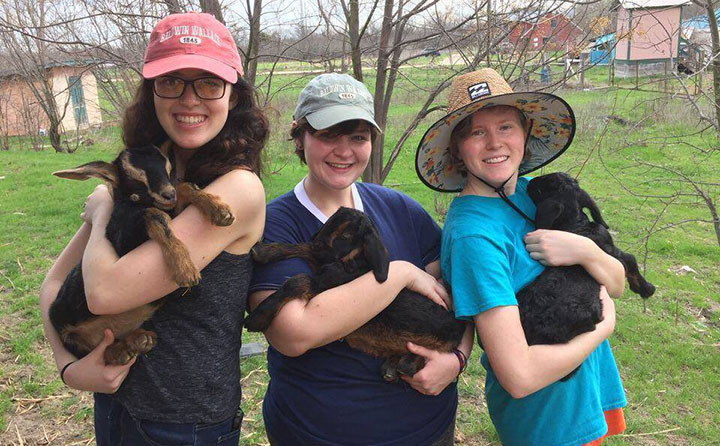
90	372
423	283
98	206
607	325
557	248
440	370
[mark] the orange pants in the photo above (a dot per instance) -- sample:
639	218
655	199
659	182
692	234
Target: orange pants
616	424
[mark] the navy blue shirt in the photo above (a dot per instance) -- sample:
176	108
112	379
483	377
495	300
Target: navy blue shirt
334	395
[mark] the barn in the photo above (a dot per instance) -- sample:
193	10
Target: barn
648	36
74	90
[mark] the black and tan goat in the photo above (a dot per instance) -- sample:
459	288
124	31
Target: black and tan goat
562	302
346	247
144	193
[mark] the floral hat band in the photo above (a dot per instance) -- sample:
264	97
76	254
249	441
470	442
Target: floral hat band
551	132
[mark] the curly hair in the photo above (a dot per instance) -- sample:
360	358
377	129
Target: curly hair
238	145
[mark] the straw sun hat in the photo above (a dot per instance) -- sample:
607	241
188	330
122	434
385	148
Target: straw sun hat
552	127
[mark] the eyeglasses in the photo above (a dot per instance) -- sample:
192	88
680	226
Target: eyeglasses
171	87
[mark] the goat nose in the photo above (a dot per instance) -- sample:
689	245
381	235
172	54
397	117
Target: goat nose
168	195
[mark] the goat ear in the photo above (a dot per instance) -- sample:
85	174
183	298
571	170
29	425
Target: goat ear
547	212
96	169
587	202
375	253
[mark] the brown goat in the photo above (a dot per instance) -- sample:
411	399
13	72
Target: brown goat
143	189
346	247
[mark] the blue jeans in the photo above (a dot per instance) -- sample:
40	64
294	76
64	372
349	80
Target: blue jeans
115	427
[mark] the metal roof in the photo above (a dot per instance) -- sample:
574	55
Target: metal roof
636	4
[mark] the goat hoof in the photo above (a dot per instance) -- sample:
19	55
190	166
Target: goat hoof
120	355
188	279
222	217
142	341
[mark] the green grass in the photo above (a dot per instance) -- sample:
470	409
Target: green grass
668	354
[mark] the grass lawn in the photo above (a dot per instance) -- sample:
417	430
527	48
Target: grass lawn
668	350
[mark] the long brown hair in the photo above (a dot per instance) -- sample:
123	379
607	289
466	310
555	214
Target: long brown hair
238	144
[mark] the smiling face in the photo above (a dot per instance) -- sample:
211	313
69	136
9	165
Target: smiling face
188	120
335	161
493	150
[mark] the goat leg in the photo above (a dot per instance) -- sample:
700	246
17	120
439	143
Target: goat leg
210	205
296	287
389	369
272	252
410	363
637	282
175	253
124	350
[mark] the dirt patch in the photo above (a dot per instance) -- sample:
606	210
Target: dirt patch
35	418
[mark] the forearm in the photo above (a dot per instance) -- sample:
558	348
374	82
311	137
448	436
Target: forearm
61	355
522	369
606	270
66	261
332	314
468	339
546	364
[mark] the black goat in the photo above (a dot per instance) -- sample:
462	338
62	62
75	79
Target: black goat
562	302
143	190
346	247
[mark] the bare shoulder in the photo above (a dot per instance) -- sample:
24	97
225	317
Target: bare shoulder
241	189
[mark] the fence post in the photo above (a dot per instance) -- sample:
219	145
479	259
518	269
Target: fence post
665	87
582	72
637	75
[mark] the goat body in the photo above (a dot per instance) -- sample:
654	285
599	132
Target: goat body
562	302
143	190
346	247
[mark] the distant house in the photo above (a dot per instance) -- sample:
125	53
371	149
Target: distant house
75	92
648	34
551	32
695	43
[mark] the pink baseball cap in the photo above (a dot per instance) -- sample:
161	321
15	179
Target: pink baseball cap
192	40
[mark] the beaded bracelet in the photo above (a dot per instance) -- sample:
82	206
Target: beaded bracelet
62	372
462	359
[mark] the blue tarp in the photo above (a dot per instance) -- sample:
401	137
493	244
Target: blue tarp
699	22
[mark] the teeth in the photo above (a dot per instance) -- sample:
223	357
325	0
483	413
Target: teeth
497	159
339	166
190	119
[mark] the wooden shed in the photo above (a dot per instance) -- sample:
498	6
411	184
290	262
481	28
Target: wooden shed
648	36
75	92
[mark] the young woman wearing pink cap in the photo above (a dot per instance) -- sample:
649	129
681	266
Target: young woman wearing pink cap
187	389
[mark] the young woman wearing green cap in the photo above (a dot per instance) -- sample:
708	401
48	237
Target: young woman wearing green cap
490	137
322	392
186	390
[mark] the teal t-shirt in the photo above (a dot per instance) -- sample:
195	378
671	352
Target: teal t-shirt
484	261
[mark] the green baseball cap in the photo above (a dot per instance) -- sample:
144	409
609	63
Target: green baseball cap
333	98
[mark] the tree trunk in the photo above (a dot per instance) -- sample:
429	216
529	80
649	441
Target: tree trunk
353	20
712	21
253	42
373	171
212	7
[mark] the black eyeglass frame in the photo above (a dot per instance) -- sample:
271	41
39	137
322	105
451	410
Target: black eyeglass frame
192	84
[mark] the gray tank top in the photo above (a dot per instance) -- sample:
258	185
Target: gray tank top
193	373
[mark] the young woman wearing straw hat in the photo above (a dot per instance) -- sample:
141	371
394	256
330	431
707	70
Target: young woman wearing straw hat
321	391
193	102
489	138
